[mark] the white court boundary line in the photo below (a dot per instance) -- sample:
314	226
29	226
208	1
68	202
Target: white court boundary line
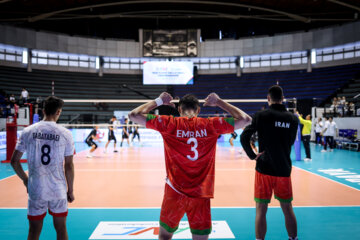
327	178
140	208
152	170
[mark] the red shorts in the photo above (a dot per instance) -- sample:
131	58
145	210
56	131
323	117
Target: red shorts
175	205
266	184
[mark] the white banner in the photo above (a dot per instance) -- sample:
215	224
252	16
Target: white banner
2	140
150	230
168	73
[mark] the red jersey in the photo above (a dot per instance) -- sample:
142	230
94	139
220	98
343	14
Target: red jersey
190	146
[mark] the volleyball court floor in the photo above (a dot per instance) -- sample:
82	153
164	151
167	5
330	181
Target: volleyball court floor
118	196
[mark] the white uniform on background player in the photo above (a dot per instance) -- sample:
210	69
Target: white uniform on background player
48	146
329	132
318	129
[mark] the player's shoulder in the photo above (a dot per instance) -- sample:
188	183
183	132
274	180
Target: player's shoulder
262	113
64	131
293	116
166	117
31	128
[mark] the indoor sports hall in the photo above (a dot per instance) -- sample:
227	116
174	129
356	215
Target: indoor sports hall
104	59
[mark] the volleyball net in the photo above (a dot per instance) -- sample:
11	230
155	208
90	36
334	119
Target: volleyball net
100	110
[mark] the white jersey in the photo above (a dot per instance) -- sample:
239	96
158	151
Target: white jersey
46	145
330	129
318	127
326	126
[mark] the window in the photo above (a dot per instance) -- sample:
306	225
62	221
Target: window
41	57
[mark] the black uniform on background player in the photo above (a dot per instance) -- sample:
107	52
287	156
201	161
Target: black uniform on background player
233	137
276	129
111	135
90	141
125	133
135	133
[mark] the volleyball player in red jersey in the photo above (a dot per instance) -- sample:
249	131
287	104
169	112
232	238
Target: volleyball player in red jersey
190	145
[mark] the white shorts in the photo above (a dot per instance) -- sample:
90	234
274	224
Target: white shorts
37	208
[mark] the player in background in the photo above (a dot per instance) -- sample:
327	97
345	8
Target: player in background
276	129
190	146
135	134
111	135
125	133
231	140
50	150
330	131
306	134
90	141
318	129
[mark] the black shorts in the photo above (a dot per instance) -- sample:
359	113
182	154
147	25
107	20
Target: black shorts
90	143
125	136
136	134
111	136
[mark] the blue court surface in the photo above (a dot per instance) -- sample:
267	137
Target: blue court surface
314	222
334	223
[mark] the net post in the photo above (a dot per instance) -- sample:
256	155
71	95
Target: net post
11	131
11	137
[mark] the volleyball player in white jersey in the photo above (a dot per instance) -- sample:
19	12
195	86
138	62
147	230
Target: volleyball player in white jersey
49	184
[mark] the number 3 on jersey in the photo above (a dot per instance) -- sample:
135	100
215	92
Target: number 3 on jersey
45	154
193	148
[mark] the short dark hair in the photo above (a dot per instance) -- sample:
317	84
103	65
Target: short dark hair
52	104
113	117
189	102
276	93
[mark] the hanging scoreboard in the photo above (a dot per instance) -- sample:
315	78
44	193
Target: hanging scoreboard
170	43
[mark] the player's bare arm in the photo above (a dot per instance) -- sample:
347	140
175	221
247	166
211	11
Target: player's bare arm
138	115
15	163
240	117
69	175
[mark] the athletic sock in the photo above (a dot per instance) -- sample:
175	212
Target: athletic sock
295	238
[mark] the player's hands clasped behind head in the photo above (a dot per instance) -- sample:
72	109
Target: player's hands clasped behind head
212	100
167	98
